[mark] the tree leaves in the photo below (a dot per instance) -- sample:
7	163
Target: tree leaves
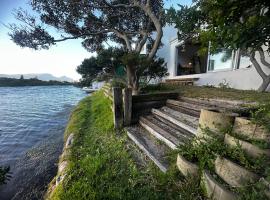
229	24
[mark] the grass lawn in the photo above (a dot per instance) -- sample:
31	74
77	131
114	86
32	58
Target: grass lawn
211	92
102	166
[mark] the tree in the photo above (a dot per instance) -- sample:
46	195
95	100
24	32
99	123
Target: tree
147	70
89	71
129	23
228	24
102	67
21	77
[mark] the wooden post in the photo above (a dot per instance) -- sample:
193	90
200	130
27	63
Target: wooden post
118	107
127	99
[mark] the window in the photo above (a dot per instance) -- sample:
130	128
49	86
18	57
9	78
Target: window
220	61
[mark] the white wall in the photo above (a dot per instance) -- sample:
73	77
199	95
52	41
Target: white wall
169	33
97	85
244	78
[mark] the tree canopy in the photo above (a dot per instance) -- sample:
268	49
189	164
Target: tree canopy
128	23
122	21
101	67
104	65
227	24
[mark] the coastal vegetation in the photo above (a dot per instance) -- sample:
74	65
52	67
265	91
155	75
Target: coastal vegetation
103	164
13	82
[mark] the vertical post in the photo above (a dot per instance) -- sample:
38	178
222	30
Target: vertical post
118	107
127	99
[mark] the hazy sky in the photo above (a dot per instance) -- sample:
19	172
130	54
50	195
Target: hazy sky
61	59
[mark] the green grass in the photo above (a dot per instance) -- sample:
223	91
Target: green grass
211	92
101	165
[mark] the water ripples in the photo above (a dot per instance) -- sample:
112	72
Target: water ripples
29	115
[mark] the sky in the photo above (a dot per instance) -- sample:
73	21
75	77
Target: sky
60	60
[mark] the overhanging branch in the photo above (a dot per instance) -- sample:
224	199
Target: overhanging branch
257	66
262	58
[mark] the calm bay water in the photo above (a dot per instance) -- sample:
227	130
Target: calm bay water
32	123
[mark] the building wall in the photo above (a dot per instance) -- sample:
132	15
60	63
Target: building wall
243	78
169	33
97	85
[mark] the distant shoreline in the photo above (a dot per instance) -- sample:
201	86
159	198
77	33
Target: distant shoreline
13	82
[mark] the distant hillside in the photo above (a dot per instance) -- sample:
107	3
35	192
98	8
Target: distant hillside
13	82
43	77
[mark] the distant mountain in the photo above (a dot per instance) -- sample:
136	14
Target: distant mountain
43	77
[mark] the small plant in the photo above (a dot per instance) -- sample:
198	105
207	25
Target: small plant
203	150
208	86
224	84
262	116
253	192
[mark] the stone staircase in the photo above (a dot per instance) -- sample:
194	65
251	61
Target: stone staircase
172	125
183	119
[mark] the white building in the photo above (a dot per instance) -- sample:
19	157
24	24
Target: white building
183	62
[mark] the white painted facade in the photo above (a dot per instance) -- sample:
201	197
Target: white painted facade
238	76
97	85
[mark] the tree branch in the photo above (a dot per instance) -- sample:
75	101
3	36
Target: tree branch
119	5
141	42
262	57
158	27
124	37
257	66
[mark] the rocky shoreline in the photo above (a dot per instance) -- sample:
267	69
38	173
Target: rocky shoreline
62	166
33	172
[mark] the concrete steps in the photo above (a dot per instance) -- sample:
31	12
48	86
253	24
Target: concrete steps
155	150
161	131
173	125
164	132
177	105
182	120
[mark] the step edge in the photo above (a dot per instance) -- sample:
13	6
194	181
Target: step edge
175	121
157	135
162	167
187	136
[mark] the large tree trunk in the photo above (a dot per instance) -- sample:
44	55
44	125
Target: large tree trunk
264	84
132	79
263	75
